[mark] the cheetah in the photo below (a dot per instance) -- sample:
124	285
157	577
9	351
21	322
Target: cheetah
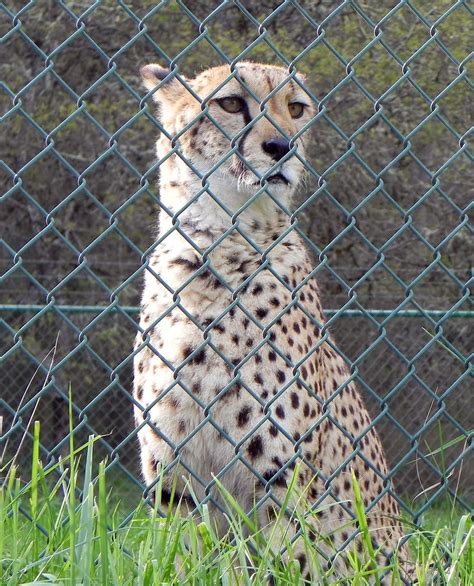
236	377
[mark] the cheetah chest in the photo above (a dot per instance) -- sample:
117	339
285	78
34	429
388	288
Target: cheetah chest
226	371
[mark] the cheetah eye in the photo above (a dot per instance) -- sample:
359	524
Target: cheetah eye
296	109
232	104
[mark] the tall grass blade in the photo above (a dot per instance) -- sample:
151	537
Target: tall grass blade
103	535
85	543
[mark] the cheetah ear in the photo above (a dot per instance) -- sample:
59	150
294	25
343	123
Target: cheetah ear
153	75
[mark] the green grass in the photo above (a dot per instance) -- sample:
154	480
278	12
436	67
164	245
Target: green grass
50	535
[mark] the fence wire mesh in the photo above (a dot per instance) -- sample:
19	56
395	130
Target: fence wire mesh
385	209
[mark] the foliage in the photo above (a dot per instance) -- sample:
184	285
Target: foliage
390	220
51	534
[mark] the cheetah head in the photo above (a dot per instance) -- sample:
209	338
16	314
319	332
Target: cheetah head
242	129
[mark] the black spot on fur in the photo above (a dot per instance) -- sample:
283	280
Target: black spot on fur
278	481
242	267
302	560
200	357
244	416
255	449
261	312
276	460
273	430
187	351
309	437
184	262
258	378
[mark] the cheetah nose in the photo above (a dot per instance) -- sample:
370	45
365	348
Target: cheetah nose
276	148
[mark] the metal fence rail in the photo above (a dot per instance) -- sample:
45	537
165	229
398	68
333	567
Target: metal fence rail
389	179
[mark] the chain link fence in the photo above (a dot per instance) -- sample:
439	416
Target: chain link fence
385	209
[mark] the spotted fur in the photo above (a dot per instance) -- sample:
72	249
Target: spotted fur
233	363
